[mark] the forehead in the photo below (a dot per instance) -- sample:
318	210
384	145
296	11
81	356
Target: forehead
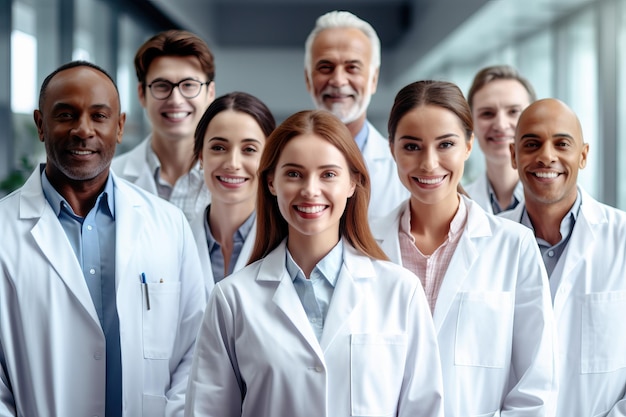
81	86
175	68
548	119
311	150
429	120
501	91
341	44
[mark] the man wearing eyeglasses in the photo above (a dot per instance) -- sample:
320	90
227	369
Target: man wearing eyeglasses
175	71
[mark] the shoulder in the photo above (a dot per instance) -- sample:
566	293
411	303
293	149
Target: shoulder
130	195
130	157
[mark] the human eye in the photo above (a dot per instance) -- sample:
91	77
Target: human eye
217	148
100	116
515	112
486	114
292	174
531	144
411	147
325	68
353	68
446	144
64	116
329	174
161	87
249	149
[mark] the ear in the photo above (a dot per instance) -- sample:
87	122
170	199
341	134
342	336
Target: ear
469	144
391	148
141	93
375	80
270	184
39	123
512	149
583	156
308	81
120	127
352	188
211	92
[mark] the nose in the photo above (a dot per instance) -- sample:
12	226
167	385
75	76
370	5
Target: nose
501	121
176	96
310	188
338	77
546	154
429	160
233	161
83	127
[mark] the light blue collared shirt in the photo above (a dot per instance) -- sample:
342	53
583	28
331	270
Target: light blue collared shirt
518	195
316	292
93	240
361	137
215	250
552	253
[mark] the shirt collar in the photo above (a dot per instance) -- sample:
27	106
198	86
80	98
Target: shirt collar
240	235
361	137
154	164
568	221
518	195
456	225
329	266
106	199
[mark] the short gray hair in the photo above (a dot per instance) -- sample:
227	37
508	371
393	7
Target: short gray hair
342	19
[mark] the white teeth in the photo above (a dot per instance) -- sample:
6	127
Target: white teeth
232	180
547	174
82	152
310	209
430	181
177	115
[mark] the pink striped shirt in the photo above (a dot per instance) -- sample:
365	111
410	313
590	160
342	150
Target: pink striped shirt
430	268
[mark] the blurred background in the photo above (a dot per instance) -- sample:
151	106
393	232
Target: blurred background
574	50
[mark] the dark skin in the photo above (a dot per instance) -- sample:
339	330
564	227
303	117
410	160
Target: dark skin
80	123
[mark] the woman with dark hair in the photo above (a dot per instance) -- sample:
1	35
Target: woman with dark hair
320	323
483	276
229	140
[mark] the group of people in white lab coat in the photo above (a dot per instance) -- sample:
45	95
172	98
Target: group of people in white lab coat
327	271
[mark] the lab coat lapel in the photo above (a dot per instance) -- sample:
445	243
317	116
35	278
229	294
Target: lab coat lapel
286	298
128	228
52	241
583	237
347	294
465	255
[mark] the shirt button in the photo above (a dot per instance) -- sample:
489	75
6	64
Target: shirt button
313	320
319	369
97	356
551	253
92	271
89	227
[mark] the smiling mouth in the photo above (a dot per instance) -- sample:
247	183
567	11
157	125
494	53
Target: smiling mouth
310	209
74	152
429	181
232	180
548	175
176	115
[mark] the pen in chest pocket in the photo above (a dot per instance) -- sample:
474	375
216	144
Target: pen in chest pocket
144	284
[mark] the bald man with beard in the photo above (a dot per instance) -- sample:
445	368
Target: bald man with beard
583	245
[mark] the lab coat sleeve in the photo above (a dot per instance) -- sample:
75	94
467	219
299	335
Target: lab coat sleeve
533	376
215	386
422	386
7	402
192	304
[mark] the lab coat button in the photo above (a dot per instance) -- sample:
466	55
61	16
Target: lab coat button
97	356
319	369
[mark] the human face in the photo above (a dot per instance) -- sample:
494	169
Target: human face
342	79
230	157
430	149
496	109
548	152
176	117
312	184
80	124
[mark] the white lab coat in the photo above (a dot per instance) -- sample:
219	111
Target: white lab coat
133	167
493	318
478	190
257	354
197	227
52	349
387	190
589	296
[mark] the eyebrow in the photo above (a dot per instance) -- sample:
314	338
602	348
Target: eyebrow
61	106
221	139
441	137
159	79
294	165
556	135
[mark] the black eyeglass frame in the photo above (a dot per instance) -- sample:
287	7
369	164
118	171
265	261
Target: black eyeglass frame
175	85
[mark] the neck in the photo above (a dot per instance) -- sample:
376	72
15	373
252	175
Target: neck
430	223
503	179
547	217
356	126
307	251
226	219
175	157
80	195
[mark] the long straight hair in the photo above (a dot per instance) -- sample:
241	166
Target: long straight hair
272	228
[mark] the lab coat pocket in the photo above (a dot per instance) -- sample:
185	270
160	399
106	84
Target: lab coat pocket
161	320
153	405
484	326
376	369
603	337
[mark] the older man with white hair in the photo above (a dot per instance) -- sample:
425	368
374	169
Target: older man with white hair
342	64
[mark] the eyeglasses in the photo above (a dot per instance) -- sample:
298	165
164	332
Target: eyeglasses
162	89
